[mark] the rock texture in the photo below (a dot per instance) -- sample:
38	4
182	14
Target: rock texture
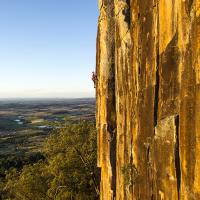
148	99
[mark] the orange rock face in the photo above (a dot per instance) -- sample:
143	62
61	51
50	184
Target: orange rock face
148	99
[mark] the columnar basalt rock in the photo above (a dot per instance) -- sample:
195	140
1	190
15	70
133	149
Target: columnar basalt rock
148	99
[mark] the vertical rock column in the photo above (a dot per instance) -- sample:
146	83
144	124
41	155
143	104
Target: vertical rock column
105	93
136	63
166	139
189	45
124	99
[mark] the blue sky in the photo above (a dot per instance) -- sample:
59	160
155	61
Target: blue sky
47	48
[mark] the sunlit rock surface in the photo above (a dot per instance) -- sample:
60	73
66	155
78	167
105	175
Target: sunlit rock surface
148	99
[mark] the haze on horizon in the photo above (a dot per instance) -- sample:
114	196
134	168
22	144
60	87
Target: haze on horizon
47	48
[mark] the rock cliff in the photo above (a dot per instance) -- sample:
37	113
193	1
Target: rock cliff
148	99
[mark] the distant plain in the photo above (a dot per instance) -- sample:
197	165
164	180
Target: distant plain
26	123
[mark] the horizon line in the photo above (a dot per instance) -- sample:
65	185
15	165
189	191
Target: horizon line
59	98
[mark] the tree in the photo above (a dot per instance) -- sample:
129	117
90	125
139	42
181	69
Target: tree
69	171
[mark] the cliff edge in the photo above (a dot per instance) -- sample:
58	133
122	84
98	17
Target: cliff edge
148	99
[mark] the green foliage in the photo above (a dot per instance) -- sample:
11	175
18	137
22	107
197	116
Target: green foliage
29	184
68	172
17	161
130	174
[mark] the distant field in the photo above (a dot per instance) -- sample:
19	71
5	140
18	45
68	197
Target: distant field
24	124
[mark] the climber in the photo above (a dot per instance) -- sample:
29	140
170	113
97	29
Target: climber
94	78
